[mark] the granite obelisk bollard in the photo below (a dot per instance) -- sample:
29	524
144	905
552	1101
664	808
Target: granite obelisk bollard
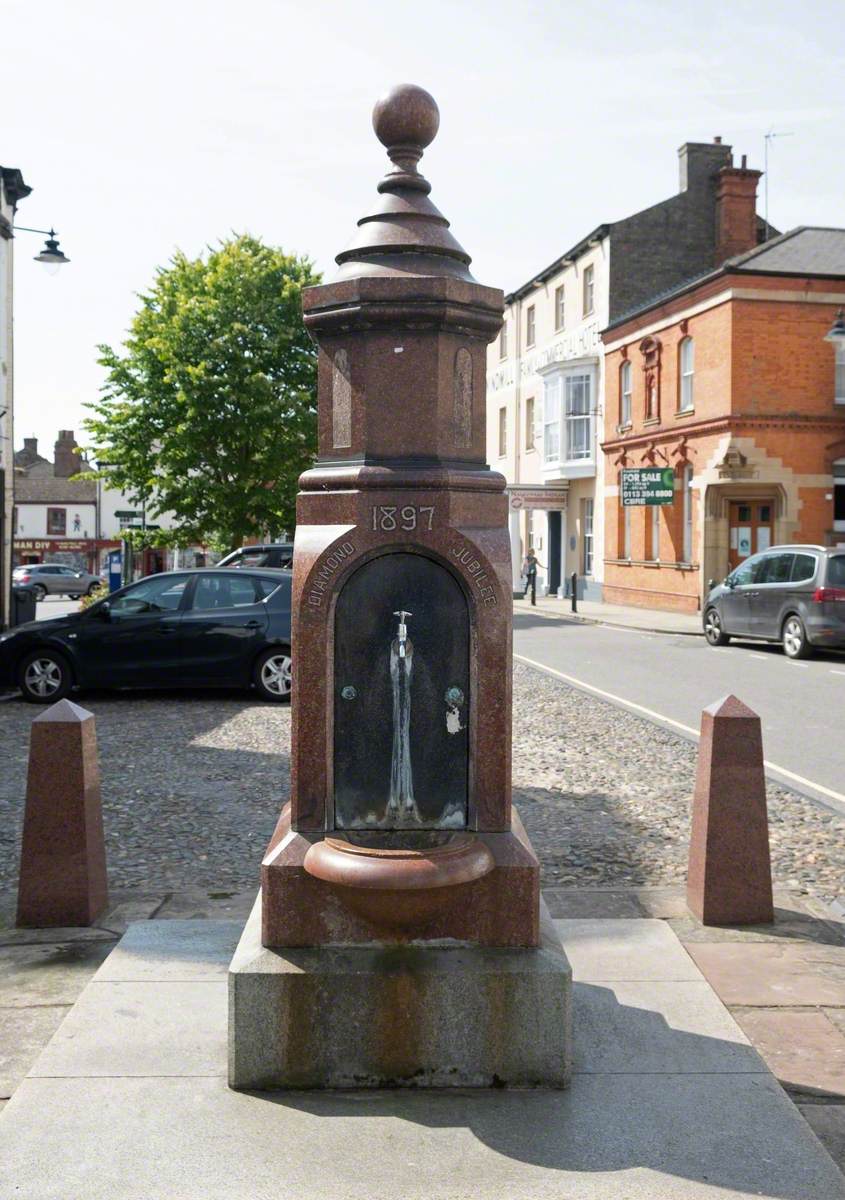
729	881
63	856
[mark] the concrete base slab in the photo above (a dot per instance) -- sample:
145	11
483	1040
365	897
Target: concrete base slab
691	1121
417	1015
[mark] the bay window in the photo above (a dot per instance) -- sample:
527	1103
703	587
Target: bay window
578	420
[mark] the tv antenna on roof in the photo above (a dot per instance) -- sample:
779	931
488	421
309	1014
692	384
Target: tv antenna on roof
766	139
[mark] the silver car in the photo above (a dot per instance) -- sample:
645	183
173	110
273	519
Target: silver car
55	579
794	595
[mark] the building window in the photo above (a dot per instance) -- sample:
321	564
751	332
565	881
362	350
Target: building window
653	518
529	325
840	375
650	349
589	290
56	521
578	419
624	531
503	432
587	534
626	388
839	495
529	423
559	307
551	420
503	341
687	487
686	364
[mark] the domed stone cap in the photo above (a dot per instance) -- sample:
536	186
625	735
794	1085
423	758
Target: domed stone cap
405	234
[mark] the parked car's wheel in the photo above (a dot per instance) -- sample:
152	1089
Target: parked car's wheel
794	637
44	677
713	631
40	591
272	674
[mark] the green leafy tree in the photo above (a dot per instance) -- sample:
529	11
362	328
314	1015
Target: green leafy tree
210	410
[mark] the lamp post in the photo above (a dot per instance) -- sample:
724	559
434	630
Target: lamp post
51	256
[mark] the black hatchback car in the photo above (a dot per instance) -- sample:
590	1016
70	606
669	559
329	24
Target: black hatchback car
200	628
789	594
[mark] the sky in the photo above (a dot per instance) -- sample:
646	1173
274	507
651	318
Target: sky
147	127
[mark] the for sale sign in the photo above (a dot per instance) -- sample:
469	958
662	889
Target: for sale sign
647	485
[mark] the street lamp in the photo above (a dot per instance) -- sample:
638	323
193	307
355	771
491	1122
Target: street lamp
51	256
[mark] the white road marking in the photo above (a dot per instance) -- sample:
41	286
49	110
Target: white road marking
796	664
650	712
764	657
834	671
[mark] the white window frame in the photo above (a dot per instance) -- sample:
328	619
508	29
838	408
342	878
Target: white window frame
551	419
530	418
626	530
686	370
530	325
578	420
589	290
560	308
503	431
839	376
503	341
626	388
655	533
588	535
686	484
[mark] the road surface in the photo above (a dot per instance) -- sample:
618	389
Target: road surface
670	678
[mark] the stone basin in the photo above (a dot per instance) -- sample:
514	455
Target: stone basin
402	879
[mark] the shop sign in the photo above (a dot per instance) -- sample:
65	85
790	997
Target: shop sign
537	497
647	485
56	545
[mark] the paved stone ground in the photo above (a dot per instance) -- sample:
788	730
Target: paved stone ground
193	783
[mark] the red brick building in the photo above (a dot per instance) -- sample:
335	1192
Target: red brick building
729	381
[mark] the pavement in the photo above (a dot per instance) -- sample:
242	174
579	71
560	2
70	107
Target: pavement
666	1012
669	1098
624	616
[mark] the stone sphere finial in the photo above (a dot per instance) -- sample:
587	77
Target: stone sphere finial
406	116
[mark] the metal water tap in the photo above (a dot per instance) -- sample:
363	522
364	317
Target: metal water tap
402	633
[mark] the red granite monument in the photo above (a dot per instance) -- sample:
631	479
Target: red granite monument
400	831
63	857
729	880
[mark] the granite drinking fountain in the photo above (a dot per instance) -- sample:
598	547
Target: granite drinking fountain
399	938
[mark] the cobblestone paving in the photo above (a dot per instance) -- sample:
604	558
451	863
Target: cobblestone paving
192	786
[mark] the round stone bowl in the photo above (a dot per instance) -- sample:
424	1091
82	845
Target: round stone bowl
399	886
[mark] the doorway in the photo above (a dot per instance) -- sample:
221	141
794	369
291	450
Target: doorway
553	551
751	525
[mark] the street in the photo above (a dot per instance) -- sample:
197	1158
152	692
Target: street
55	606
672	678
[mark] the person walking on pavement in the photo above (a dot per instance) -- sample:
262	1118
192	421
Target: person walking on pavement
529	570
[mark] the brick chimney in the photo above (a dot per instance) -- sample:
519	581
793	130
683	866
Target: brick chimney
736	211
698	163
67	462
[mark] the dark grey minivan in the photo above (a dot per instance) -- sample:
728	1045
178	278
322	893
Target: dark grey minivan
789	594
